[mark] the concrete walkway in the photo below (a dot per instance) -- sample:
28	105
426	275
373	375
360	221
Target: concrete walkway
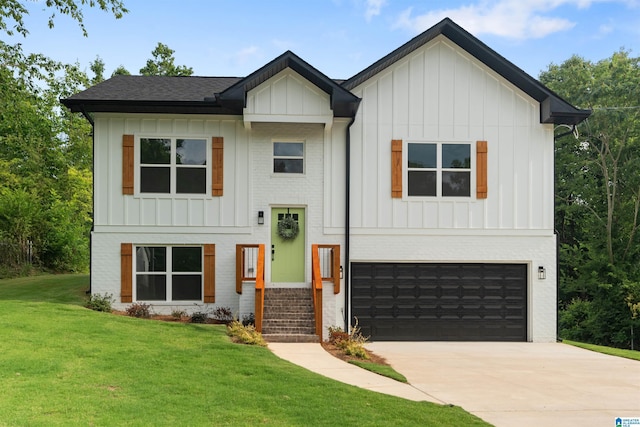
506	384
316	359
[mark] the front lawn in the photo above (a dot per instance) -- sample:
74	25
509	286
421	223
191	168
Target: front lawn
62	364
612	351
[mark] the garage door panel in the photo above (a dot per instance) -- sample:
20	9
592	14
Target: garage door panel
423	301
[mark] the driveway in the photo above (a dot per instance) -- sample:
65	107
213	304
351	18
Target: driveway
521	384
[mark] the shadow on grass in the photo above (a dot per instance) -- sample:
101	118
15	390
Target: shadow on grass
54	288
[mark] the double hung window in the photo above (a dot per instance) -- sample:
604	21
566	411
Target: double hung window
173	165
168	273
288	157
438	169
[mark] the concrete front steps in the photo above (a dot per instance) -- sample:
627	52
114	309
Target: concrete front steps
288	315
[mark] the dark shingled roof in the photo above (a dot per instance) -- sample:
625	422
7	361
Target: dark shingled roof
155	88
227	95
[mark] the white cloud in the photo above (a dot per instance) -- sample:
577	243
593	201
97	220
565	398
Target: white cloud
373	8
245	55
515	19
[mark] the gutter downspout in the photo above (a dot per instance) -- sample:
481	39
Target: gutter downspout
86	114
347	229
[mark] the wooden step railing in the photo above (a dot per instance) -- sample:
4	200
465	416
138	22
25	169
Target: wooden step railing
250	267
320	272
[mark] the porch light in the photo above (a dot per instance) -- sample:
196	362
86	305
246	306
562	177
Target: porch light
542	273
260	217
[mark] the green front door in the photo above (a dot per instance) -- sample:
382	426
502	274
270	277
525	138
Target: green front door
287	253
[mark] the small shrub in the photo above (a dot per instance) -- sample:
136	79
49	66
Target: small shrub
337	335
355	349
178	314
223	314
139	309
352	344
99	302
245	334
199	317
249	320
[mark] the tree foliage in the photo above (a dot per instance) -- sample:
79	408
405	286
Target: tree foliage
45	151
13	12
162	63
598	196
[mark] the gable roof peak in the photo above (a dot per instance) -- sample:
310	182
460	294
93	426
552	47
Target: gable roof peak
553	108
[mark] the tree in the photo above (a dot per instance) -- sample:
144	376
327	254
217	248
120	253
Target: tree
162	64
598	190
13	12
120	71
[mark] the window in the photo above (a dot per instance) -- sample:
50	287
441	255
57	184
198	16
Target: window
288	157
173	165
168	273
439	169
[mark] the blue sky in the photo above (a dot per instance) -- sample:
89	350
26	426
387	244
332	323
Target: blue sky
339	37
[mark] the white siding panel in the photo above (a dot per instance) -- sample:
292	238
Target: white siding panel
432	93
441	93
461	97
113	208
181	212
507	195
196	212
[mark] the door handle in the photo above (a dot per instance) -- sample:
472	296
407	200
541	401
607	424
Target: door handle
273	252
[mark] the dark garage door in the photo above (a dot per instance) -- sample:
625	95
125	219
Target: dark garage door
440	302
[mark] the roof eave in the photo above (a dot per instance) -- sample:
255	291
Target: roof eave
165	107
558	110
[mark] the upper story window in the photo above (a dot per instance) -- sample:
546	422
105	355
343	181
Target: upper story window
173	165
288	157
439	169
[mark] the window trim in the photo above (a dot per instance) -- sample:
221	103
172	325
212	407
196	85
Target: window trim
173	166
439	170
303	157
168	273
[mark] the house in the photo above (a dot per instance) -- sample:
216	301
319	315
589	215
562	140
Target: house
416	196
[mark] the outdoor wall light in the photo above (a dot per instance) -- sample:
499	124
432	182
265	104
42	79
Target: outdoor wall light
542	273
260	217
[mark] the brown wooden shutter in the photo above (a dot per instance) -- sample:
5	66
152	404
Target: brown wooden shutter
481	169
126	272
209	273
127	164
396	168
217	160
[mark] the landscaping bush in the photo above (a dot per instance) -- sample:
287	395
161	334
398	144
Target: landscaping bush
178	314
245	334
139	309
99	302
249	319
223	315
199	317
352	344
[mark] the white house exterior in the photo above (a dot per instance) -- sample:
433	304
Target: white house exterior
431	171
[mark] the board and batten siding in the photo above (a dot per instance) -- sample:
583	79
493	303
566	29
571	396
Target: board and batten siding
440	93
113	208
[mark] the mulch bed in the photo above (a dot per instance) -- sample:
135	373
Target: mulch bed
330	348
336	352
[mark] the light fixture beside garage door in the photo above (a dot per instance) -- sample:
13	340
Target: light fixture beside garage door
542	273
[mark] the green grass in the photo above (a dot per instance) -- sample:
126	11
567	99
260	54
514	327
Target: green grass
384	370
59	288
64	365
612	351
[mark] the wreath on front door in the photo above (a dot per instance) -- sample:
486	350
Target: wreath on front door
288	228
